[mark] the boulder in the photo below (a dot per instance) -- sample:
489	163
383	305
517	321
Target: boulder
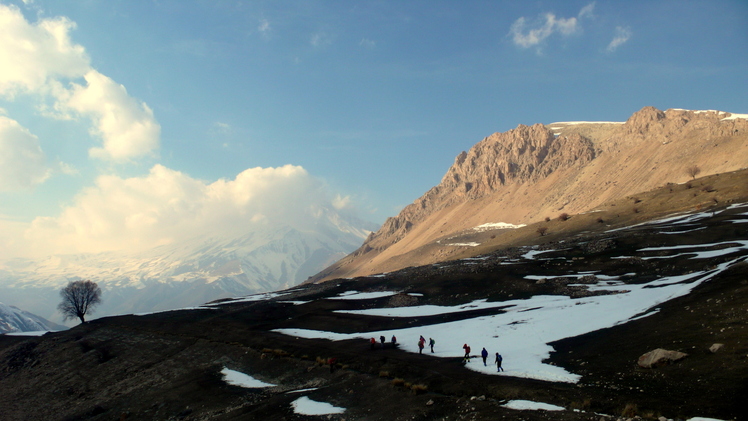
660	357
716	347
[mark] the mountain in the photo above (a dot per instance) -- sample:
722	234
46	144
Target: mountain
248	260
535	172
572	313
13	319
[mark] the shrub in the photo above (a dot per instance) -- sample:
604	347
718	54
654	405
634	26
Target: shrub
630	410
563	217
708	189
397	382
693	171
419	388
637	210
547	219
384	374
280	353
600	220
542	230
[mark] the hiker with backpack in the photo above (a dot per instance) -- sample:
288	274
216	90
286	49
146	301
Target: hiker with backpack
484	355
432	342
421	344
499	359
466	358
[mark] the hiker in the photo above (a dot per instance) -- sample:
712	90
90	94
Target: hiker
332	362
421	344
373	343
432	342
422	339
394	340
466	358
381	338
499	359
484	355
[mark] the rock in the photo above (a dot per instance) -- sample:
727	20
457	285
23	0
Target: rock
716	347
430	402
659	357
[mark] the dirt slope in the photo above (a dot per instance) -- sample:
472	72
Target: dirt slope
529	173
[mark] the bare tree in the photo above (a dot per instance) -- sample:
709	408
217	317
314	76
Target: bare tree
78	299
693	171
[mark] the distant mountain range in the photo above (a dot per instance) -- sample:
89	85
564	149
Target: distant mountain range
13	319
190	273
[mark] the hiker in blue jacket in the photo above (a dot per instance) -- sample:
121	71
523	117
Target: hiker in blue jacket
484	354
499	359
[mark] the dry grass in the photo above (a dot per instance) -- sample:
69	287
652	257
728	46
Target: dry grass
397	382
664	201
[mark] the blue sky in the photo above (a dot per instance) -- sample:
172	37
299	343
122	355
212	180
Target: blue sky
120	117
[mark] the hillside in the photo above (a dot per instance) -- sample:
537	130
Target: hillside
534	172
571	314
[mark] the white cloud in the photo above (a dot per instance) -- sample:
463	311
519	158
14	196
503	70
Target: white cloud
527	35
320	39
166	206
126	126
264	28
621	37
341	202
40	59
32	55
367	43
22	162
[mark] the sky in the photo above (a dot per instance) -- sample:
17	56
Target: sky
128	124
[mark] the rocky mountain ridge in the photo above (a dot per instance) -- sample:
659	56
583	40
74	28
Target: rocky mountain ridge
534	172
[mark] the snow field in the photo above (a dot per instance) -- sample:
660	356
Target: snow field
523	331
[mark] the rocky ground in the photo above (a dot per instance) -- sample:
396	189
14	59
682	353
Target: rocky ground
166	366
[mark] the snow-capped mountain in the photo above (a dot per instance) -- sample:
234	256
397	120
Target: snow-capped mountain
13	319
250	260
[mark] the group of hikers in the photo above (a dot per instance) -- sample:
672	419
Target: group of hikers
484	354
432	342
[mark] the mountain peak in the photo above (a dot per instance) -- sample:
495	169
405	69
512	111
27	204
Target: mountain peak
534	172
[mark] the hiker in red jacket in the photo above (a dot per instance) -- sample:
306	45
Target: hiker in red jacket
373	343
421	344
466	358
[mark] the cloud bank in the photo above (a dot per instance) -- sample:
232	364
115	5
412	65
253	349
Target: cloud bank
41	60
166	206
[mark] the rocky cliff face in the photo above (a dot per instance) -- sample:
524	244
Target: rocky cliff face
532	172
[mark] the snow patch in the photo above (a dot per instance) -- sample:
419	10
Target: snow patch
306	406
521	405
496	225
355	295
237	378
